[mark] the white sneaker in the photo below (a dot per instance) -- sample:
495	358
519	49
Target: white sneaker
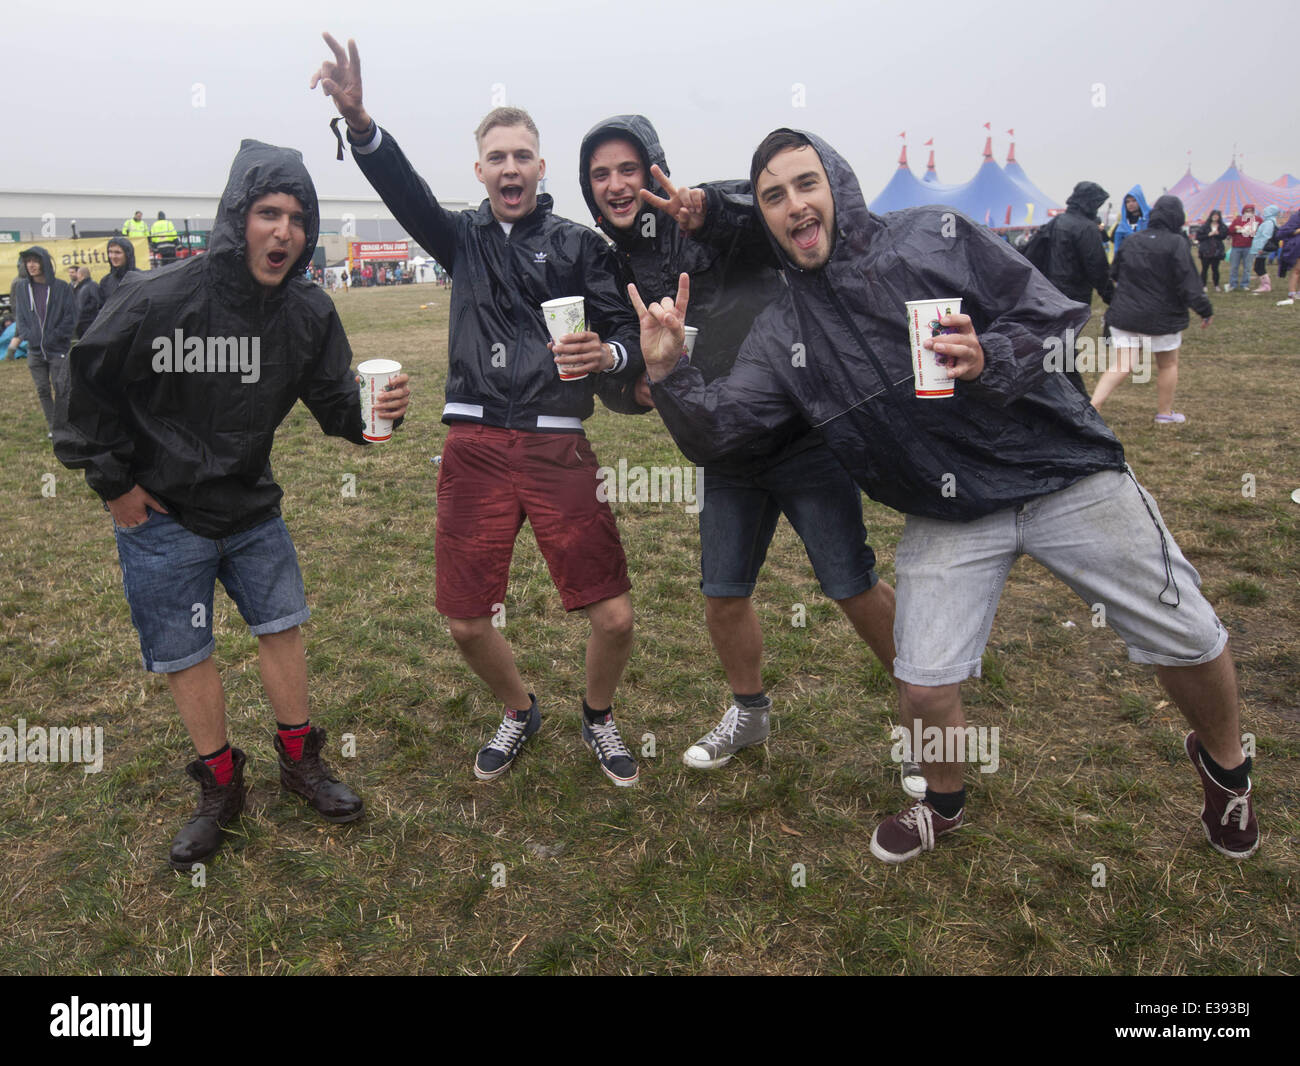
1287	302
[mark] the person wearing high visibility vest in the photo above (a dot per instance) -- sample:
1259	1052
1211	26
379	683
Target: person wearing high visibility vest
162	231
135	227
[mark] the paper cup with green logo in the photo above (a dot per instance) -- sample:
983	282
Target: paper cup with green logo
688	346
932	380
565	315
375	374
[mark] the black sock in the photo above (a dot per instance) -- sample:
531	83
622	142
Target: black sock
594	716
948	804
1234	779
749	703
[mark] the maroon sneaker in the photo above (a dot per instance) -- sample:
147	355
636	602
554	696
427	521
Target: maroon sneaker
906	835
1228	815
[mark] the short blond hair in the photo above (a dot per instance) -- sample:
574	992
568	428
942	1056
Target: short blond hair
506	116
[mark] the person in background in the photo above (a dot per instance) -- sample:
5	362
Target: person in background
1242	232
1132	219
1260	251
47	315
1209	245
121	263
135	226
1288	256
89	298
1155	283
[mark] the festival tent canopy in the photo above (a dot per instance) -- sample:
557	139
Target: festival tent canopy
1232	190
992	196
905	190
1286	181
1186	186
1044	205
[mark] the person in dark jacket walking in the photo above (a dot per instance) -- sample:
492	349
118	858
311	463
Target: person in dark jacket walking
1209	246
1155	283
733	277
1014	462
89	298
121	266
1076	256
177	390
47	316
515	449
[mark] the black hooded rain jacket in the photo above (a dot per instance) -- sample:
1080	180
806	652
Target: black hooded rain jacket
1156	279
200	439
837	352
734	274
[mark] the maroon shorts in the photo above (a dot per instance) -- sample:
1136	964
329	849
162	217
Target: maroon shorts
490	481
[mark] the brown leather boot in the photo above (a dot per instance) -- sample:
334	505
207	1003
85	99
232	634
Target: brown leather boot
312	779
219	805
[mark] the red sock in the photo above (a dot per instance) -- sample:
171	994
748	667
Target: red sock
292	737
222	765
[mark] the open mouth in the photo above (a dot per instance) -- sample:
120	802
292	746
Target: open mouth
622	206
806	234
277	260
512	195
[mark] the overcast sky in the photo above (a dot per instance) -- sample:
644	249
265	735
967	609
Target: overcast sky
158	99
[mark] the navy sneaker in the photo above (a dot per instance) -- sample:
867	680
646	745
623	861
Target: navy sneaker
495	757
617	762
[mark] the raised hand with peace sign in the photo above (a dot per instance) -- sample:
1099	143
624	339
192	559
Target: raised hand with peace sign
687	206
341	81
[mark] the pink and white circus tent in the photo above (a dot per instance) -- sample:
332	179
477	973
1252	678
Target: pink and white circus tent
1231	191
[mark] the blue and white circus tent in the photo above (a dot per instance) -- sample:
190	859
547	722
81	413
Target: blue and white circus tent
998	198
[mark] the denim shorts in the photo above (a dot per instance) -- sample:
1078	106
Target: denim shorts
823	504
1103	536
170	574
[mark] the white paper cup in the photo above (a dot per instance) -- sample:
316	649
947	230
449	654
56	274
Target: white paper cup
565	315
932	380
688	347
375	374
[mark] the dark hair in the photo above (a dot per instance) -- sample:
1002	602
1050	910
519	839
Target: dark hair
775	142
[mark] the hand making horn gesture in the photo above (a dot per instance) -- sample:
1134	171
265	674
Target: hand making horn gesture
663	328
687	206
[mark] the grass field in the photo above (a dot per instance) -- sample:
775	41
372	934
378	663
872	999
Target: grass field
761	867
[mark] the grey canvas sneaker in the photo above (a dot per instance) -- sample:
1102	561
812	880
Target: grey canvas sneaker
741	727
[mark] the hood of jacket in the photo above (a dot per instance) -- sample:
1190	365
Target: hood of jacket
47	264
638	130
128	248
1143	209
1086	198
258	169
1271	211
1168	214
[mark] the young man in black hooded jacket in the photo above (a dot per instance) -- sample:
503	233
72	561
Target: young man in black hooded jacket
1015	462
624	176
177	390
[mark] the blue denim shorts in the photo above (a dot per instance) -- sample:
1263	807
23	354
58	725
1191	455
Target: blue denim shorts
1103	536
169	575
823	504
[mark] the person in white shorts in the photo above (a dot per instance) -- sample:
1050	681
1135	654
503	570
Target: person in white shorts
1155	283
